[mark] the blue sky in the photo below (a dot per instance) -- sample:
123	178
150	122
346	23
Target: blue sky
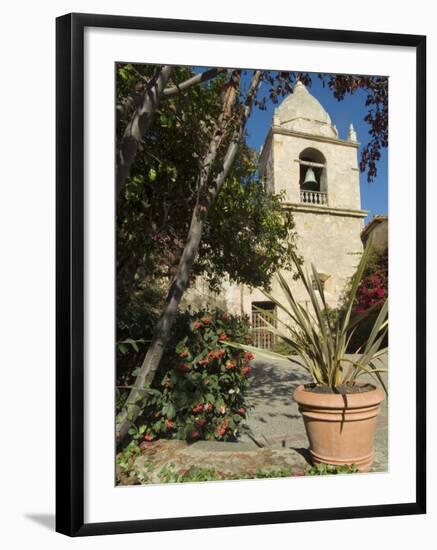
374	196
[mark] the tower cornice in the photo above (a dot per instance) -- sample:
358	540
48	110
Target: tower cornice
318	209
312	137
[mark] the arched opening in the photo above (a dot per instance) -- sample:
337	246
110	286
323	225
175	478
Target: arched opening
312	177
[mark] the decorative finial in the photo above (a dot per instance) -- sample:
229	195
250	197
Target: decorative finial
335	130
299	84
352	135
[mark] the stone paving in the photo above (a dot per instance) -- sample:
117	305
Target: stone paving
275	438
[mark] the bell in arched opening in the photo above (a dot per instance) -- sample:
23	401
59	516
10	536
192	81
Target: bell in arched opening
310	178
312	171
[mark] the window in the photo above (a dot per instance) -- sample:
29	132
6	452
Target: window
323	278
314	284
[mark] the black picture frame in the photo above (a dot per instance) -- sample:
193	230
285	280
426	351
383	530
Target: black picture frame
70	273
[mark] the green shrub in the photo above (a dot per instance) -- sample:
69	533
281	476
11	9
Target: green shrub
195	473
199	390
330	469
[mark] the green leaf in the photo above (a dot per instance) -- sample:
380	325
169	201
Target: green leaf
152	174
171	411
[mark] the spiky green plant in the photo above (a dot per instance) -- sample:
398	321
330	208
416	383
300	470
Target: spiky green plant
320	343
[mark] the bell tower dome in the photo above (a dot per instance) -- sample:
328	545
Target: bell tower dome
302	112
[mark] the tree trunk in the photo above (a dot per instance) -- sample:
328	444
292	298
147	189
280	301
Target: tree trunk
139	124
196	79
207	195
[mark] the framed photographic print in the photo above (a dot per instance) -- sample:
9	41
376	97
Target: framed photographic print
232	202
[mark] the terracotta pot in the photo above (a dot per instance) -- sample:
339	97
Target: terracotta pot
341	428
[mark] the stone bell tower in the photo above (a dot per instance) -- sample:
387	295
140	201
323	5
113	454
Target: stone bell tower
317	171
304	157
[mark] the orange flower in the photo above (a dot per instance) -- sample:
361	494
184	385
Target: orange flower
206	320
169	423
183	367
183	354
223	336
197	408
230	365
203	361
207	407
248	356
194	434
197	325
216	354
149	437
221	430
246	370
